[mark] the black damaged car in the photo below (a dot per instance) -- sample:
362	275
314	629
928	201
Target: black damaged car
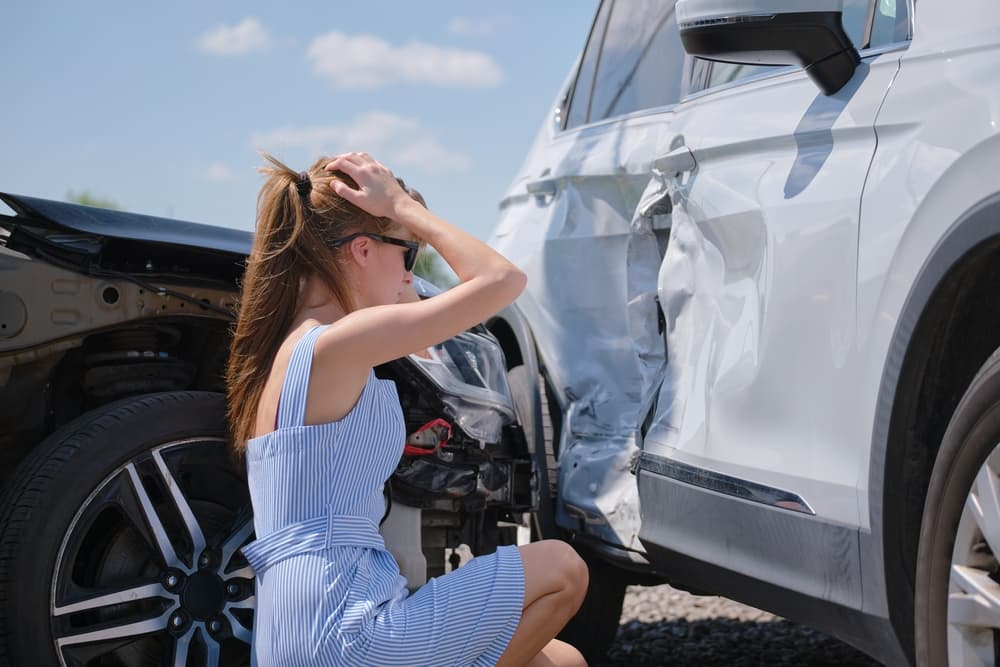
123	512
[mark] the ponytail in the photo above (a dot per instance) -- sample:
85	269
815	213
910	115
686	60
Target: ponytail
298	217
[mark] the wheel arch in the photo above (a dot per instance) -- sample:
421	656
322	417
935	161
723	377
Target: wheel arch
511	328
948	327
58	385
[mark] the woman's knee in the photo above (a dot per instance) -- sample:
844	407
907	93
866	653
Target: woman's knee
578	575
553	566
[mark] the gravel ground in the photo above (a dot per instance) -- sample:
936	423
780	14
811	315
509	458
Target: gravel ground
663	626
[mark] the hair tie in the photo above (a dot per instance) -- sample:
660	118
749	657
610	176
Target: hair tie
304	184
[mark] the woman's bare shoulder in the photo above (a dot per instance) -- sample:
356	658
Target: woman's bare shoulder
337	378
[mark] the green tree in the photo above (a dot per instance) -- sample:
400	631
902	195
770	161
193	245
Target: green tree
430	267
87	198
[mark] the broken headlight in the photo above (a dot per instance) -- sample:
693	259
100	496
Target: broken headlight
469	370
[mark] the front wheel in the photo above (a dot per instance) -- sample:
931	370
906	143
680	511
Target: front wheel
121	537
957	618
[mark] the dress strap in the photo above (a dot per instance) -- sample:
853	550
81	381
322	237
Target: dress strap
292	402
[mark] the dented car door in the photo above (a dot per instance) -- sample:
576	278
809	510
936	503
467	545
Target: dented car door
759	289
570	220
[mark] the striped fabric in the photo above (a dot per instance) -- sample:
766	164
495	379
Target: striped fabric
328	593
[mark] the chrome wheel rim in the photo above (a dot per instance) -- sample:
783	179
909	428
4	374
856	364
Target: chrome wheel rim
974	582
149	570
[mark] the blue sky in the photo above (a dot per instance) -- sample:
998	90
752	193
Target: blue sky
161	107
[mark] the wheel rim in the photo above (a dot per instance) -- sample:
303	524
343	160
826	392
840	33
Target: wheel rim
149	570
974	583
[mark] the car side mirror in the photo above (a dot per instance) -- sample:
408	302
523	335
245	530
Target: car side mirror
772	32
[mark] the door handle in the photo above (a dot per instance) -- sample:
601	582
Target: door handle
545	187
678	160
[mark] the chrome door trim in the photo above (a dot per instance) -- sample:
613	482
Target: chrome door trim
724	484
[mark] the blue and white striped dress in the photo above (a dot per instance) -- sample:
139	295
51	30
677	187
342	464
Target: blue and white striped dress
328	593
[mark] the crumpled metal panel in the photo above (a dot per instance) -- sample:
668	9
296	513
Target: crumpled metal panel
603	348
588	226
597	492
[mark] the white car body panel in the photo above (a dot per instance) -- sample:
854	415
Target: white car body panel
759	287
928	172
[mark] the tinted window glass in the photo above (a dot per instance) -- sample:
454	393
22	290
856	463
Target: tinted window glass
723	73
699	75
642	61
892	22
578	105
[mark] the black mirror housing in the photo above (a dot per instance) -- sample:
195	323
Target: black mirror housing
814	40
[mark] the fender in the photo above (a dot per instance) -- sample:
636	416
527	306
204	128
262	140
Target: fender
973	230
519	335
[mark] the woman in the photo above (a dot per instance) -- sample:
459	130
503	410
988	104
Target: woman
320	307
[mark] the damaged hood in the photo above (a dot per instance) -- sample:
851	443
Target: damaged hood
128	226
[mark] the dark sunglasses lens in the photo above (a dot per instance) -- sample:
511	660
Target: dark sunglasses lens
410	259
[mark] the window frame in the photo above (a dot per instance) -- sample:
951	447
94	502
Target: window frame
568	98
563	119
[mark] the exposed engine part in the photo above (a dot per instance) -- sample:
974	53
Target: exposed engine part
428	439
427	478
443	467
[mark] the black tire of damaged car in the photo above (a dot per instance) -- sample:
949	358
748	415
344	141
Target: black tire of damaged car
121	536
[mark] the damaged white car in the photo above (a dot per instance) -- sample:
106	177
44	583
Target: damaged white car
762	240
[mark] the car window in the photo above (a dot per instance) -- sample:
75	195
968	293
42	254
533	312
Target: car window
892	22
722	73
642	60
580	99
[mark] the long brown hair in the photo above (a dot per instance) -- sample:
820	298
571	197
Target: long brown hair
296	222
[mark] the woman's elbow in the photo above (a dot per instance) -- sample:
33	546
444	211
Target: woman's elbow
515	280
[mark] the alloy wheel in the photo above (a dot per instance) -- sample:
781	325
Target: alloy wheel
974	585
150	571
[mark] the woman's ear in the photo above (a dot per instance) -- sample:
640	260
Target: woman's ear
361	248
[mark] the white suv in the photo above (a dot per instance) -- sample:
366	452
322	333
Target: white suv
764	299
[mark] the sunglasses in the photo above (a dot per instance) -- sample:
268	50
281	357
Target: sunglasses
411	246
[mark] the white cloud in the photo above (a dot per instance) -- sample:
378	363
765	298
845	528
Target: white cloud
218	173
393	139
431	156
245	37
366	61
472	27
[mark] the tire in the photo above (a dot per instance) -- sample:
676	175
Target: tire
957	566
120	538
524	389
592	630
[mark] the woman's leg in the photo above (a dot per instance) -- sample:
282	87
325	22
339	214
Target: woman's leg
557	654
555	583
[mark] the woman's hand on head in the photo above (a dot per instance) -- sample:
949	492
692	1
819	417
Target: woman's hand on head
378	192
